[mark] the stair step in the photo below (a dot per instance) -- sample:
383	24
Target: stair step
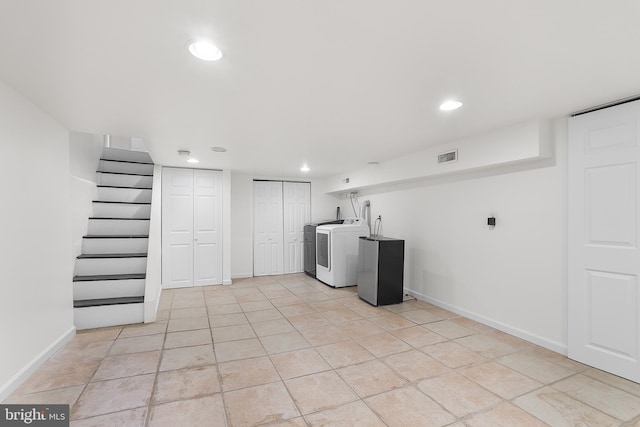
108	277
133	255
129	161
89	266
118	227
100	316
116	236
113	218
107	165
125	179
114	244
124	173
125	186
121	203
107	301
98	289
123	194
109	153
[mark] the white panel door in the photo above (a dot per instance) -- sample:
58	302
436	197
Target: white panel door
604	261
297	213
268	228
191	227
207	223
177	227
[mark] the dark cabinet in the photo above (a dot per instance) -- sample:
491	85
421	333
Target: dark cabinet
381	270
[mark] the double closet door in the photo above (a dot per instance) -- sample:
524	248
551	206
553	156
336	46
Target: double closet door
281	209
191	227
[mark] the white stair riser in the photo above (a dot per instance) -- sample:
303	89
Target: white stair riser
115	246
125	180
99	289
111	194
107	166
95	266
118	226
126	155
108	315
117	210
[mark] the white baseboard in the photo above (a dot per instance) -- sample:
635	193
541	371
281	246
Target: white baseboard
532	338
151	309
242	276
11	385
227	282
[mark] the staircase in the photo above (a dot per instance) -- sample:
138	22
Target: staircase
109	279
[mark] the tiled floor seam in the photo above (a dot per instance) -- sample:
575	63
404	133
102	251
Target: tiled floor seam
155	382
219	375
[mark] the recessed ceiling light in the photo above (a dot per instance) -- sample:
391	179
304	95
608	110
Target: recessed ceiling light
450	105
373	163
305	168
186	153
218	149
192	160
205	50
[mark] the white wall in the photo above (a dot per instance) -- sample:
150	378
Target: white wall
36	311
512	277
85	150
323	206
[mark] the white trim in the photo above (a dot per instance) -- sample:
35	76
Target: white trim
24	373
241	276
227	282
527	336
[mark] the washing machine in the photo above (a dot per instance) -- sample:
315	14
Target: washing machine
337	248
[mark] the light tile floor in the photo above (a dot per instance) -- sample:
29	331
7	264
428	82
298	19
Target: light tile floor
289	350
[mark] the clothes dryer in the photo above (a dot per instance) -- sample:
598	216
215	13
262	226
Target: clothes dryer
337	249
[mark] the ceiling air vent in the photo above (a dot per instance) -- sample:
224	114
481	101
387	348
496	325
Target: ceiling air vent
449	156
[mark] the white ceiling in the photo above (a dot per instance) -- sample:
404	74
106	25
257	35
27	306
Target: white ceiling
333	83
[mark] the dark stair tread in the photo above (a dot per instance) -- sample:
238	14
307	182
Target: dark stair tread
122	203
126	173
124	255
107	301
96	277
125	187
127	161
116	218
116	236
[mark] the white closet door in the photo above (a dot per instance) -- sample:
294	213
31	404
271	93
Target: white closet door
604	260
268	236
191	227
207	223
297	213
177	227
